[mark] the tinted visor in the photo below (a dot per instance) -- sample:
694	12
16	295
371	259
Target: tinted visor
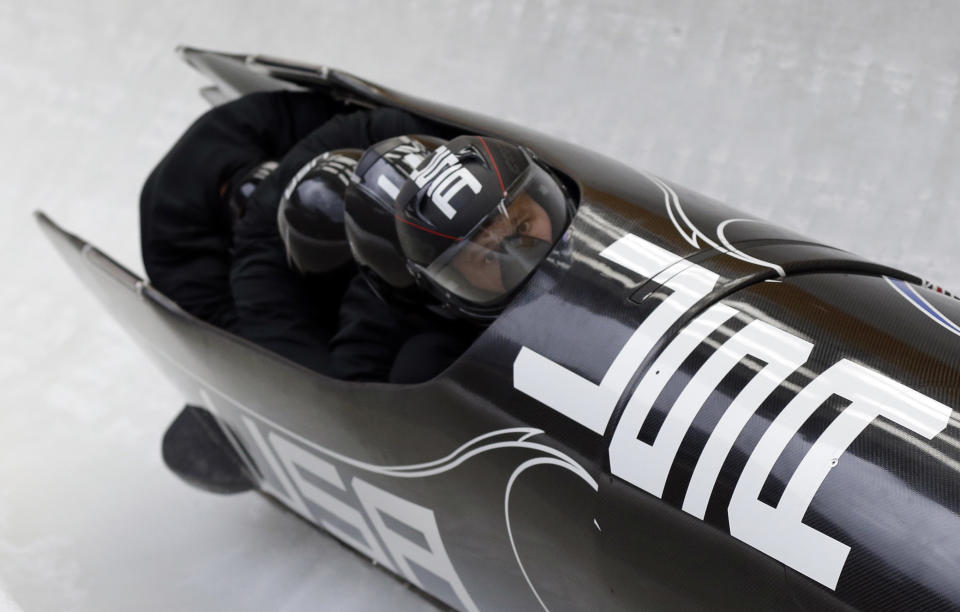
504	249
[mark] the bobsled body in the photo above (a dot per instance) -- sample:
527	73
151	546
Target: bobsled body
683	408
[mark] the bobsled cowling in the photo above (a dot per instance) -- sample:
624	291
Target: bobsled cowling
683	407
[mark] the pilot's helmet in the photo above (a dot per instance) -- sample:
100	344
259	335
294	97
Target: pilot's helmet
370	216
310	215
475	220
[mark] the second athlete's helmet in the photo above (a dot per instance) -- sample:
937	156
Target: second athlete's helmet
370	213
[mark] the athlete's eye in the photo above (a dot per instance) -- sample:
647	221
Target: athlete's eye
524	228
489	258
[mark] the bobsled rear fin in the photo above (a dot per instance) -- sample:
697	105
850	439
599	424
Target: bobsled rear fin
75	250
230	74
235	75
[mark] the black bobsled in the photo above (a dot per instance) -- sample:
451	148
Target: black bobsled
684	408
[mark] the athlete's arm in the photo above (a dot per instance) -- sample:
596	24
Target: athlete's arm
184	221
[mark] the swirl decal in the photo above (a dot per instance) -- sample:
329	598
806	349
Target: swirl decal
692	234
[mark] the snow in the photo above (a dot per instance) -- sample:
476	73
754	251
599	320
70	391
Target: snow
838	120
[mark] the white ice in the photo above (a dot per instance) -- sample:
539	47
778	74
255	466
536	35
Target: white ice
838	120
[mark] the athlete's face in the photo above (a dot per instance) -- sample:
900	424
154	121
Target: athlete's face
479	260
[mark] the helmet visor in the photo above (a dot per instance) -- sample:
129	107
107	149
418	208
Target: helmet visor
504	249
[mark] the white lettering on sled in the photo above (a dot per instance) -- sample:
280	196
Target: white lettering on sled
429	555
592	404
778	532
299	462
358	507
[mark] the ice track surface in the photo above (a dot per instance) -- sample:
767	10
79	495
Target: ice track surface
839	120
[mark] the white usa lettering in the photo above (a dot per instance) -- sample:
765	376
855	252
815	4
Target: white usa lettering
356	507
591	404
778	532
447	177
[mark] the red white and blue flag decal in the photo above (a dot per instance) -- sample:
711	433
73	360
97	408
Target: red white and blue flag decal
910	293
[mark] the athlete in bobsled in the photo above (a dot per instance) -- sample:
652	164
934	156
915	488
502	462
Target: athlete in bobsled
442	232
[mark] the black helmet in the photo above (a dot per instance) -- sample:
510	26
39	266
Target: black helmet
476	219
369	208
242	185
310	216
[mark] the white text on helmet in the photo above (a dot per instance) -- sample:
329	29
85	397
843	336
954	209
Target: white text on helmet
339	166
409	153
446	176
